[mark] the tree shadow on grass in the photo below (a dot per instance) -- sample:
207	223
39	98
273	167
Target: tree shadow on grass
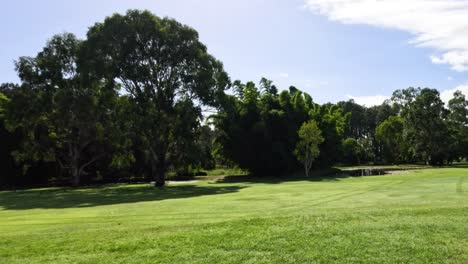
318	176
275	180
57	198
323	175
458	166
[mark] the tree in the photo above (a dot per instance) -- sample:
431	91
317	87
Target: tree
390	133
458	125
64	117
14	172
161	64
356	122
184	151
257	128
351	151
426	130
7	143
205	148
458	107
3	101
402	99
332	123
361	123
307	148
367	145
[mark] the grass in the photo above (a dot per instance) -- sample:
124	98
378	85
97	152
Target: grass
414	217
225	171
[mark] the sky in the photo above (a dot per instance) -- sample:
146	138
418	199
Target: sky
333	49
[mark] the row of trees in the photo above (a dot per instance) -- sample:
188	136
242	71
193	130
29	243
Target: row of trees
424	129
413	126
131	101
258	129
134	88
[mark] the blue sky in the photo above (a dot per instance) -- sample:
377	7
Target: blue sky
332	49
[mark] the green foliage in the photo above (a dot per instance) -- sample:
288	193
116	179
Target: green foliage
63	117
128	102
367	150
332	123
361	123
3	101
257	128
168	75
458	126
356	123
205	148
431	133
402	99
426	131
390	133
352	151
8	142
307	147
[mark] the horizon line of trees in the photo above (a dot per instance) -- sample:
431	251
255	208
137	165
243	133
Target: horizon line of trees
127	103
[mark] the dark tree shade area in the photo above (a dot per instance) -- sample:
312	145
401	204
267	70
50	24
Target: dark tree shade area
141	99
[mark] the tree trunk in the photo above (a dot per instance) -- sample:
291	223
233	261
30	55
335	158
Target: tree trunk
160	180
75	167
159	172
75	176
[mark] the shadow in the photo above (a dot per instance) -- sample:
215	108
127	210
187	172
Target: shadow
57	198
331	174
457	166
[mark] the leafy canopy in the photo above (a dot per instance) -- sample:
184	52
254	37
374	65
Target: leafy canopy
167	73
307	147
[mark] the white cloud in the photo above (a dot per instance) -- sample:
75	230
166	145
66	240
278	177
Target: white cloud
284	75
448	94
438	24
450	78
369	101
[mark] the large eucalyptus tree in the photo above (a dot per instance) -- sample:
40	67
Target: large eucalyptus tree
164	68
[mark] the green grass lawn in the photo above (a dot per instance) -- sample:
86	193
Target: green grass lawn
414	217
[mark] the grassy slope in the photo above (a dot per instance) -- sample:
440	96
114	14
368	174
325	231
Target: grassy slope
417	217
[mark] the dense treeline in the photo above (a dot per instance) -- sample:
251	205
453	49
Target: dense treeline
129	96
257	128
130	101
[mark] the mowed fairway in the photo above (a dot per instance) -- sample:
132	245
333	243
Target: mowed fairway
415	217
